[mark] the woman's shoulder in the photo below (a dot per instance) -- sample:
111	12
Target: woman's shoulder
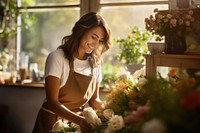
58	53
57	56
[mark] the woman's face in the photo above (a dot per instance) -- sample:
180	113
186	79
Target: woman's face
90	41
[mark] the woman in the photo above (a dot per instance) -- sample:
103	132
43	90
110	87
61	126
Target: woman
73	74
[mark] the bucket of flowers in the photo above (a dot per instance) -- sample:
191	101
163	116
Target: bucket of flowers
150	105
162	22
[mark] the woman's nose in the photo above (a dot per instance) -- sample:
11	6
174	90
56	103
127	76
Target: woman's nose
95	44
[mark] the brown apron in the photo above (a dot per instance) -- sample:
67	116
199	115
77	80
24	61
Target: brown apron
74	95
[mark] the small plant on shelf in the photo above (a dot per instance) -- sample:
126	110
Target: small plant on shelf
133	46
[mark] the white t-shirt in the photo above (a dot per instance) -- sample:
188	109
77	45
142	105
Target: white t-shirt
57	65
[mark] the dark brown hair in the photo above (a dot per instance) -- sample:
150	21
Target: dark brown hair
70	44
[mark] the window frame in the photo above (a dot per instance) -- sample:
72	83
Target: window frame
85	7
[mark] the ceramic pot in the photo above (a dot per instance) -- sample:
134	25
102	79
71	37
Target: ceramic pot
156	47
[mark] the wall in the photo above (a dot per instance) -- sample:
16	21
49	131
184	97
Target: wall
23	104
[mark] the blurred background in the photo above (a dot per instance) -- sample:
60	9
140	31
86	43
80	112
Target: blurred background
36	27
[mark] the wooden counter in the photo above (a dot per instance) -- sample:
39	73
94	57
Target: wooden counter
25	85
23	102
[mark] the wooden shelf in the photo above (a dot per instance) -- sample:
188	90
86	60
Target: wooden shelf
170	60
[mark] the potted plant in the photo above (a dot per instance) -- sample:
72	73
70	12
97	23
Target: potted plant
132	48
174	25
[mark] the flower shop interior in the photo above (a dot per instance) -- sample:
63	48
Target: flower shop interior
150	75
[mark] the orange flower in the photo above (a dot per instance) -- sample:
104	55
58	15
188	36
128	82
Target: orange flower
173	72
132	94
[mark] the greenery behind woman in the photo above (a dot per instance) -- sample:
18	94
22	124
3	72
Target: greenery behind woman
90	38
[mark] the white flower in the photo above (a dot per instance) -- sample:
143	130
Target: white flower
142	81
115	123
78	129
169	16
59	126
139	73
108	113
91	116
154	126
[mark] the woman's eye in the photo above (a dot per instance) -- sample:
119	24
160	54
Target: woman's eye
93	37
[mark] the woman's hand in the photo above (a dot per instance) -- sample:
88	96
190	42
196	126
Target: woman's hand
85	127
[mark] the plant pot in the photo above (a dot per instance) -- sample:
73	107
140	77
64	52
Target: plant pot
132	68
156	47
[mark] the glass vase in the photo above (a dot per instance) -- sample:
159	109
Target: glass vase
175	43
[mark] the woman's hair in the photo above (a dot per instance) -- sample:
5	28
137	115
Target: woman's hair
70	44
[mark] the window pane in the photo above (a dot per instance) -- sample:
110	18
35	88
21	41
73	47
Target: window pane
46	2
46	34
122	18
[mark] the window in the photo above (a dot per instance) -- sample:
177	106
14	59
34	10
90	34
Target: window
46	34
55	20
123	15
51	22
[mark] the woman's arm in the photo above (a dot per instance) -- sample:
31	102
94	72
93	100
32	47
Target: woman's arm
95	101
52	93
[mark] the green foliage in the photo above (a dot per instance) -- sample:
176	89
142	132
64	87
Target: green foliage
68	129
166	103
133	47
165	99
10	17
109	75
4	59
12	12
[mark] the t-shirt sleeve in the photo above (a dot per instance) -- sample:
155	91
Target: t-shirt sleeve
99	77
53	65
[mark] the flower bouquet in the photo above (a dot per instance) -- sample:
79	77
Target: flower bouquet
158	105
140	104
155	105
164	22
63	126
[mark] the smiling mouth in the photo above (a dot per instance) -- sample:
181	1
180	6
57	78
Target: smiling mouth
90	47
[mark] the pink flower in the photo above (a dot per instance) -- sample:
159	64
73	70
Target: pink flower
173	22
187	23
136	115
190	12
158	20
180	22
164	21
188	16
